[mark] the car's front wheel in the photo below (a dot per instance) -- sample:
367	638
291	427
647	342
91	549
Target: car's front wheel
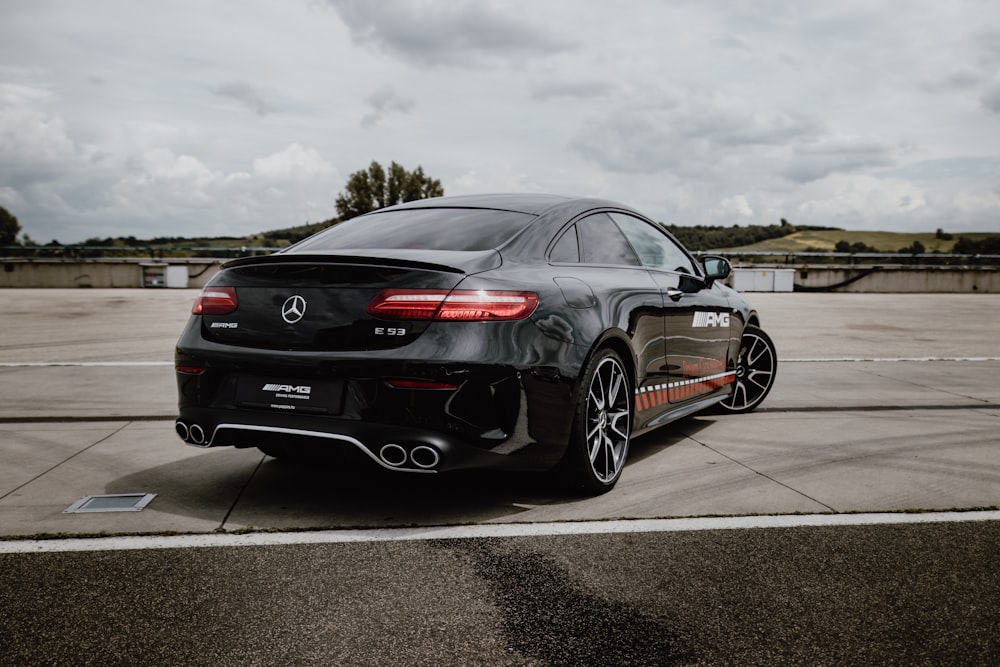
602	425
756	368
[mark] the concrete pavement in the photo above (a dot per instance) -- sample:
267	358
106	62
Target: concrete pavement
834	436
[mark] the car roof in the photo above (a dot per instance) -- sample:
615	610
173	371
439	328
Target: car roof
551	212
531	203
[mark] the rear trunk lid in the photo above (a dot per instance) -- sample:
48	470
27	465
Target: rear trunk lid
320	301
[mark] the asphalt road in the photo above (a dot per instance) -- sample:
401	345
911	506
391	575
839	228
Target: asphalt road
884	403
903	595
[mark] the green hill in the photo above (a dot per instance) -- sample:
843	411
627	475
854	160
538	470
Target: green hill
827	240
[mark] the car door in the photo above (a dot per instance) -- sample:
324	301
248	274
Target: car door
696	315
600	260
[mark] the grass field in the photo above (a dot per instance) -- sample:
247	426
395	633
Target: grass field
881	241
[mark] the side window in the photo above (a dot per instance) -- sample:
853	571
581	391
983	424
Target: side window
603	242
566	249
656	250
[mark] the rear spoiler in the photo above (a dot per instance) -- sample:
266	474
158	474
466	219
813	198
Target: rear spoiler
447	261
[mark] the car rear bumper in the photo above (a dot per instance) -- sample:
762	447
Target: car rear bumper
391	446
511	424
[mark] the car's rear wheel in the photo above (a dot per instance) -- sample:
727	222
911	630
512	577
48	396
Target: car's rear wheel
602	426
756	368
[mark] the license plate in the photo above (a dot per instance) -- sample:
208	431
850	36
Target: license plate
308	396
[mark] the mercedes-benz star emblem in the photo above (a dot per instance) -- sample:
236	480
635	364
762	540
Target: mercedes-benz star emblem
294	309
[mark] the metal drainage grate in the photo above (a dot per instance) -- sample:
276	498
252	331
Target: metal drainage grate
111	502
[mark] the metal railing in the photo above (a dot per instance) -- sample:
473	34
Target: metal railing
80	252
926	259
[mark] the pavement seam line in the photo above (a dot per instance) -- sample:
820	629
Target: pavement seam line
920	385
239	496
878	408
88	418
64	461
765	476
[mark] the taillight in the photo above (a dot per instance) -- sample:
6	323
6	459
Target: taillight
406	304
453	306
188	369
216	301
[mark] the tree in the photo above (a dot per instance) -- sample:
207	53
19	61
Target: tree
854	248
986	246
373	188
9	228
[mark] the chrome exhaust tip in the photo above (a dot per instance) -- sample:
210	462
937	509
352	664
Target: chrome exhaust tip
425	457
182	430
392	455
196	434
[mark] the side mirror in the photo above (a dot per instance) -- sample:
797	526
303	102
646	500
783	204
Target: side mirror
716	268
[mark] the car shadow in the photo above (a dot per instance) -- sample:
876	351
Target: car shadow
244	489
651	444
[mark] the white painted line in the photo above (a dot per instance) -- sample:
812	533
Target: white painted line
116	364
485	530
884	359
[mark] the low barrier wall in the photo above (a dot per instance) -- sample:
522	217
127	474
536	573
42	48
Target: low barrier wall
194	273
892	279
19	272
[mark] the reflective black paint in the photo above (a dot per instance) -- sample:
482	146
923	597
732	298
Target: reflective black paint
516	383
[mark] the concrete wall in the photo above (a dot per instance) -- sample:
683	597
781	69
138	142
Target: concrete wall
104	273
763	280
925	279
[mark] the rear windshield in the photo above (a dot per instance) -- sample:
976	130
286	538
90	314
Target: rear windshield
430	228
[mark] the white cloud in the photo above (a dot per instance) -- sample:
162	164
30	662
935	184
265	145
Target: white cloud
581	89
979	203
190	117
691	132
162	166
30	140
493	177
452	32
853	199
246	95
814	160
385	101
293	162
991	98
737	206
13	95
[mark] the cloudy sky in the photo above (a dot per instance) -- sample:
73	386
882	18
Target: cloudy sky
231	117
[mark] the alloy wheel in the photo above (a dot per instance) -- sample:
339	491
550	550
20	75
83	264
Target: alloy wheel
608	420
756	368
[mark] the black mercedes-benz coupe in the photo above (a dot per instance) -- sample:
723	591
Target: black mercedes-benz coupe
523	332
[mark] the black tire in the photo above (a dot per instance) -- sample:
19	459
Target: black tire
602	425
756	369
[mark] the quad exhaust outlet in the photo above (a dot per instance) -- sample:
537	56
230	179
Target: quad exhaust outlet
413	458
